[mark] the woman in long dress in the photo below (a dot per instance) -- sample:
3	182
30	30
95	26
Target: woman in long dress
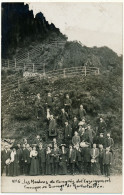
14	165
34	168
63	160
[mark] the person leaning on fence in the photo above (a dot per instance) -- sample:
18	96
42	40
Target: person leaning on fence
107	161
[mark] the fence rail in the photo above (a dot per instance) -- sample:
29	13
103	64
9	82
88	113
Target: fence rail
30	68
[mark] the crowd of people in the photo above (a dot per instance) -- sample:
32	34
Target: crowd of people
82	151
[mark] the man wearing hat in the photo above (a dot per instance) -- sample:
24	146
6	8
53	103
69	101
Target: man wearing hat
107	161
5	155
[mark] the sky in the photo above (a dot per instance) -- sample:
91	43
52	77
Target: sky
93	24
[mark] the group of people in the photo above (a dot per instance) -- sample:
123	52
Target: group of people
82	151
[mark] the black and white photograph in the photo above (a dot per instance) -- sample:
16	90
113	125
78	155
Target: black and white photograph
61	97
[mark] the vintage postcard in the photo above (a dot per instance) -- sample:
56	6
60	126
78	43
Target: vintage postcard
61	97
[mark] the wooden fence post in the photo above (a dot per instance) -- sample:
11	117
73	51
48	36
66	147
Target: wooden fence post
8	63
85	71
64	73
15	62
33	67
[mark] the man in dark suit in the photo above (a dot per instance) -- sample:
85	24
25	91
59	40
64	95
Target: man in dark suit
100	140
5	155
19	153
86	158
25	159
63	116
42	159
67	134
94	159
55	160
72	158
102	126
107	161
101	153
27	169
75	125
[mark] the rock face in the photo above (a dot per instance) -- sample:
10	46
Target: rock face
22	34
18	24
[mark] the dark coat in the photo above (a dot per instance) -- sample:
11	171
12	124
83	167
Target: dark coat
102	127
68	132
75	126
52	128
101	154
86	154
49	101
72	156
68	102
55	156
81	113
109	142
78	155
63	156
42	155
107	158
26	155
75	140
63	117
